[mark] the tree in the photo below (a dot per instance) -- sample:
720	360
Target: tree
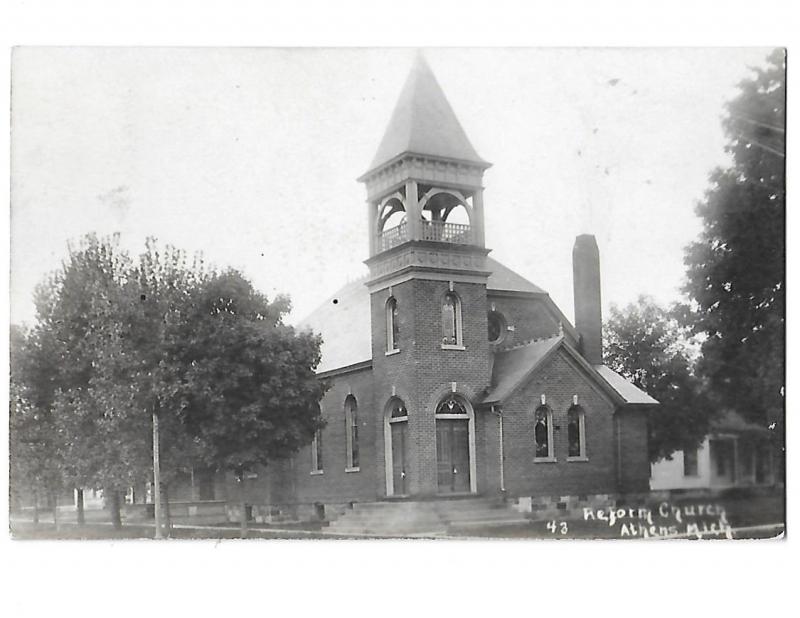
35	470
646	344
118	341
736	269
243	381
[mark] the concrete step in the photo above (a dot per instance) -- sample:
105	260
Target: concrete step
423	516
420	505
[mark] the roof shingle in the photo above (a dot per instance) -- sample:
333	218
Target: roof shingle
424	123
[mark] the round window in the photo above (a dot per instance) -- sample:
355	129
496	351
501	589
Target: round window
497	327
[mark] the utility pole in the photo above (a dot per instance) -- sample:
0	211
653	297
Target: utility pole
156	477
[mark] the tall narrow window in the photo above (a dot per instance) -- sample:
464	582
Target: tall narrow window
451	320
543	433
576	444
316	453
392	326
351	432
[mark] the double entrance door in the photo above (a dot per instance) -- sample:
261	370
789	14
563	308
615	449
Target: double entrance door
452	455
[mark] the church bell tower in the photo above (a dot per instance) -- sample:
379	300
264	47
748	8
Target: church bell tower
424	187
427	284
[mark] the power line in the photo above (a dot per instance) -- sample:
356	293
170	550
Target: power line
760	124
750	140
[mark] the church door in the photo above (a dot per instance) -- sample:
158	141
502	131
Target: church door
396	436
399	451
452	454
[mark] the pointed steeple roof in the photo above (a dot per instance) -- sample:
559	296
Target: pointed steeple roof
424	123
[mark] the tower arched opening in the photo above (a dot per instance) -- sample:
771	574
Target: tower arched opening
447	217
391	222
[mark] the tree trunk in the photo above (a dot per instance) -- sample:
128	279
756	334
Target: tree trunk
35	507
114	506
243	507
55	510
79	507
167	514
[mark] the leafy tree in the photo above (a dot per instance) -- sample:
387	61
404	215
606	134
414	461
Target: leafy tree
736	269
244	381
78	315
34	471
646	344
118	340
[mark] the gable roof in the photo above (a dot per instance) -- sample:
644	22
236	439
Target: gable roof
514	367
628	391
503	278
424	123
345	326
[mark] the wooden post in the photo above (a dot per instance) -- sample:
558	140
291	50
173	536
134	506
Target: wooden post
240	475
156	478
167	523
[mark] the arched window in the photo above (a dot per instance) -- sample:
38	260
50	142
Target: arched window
451	406
451	321
392	326
543	434
351	432
316	453
576	437
398	410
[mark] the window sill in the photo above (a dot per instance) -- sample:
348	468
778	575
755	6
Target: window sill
545	460
352	469
317	472
447	346
577	459
393	352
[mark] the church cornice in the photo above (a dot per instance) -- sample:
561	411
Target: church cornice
361	366
426	245
437	170
429	274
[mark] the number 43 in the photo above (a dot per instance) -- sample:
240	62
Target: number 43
557	527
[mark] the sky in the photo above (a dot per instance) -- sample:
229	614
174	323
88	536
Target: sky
250	155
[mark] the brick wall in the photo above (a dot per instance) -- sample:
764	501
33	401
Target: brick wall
421	373
559	379
335	483
632	442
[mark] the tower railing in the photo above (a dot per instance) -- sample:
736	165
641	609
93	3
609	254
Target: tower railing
441	231
393	236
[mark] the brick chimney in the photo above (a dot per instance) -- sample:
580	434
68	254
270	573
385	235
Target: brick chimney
586	286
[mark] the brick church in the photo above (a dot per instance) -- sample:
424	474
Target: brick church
450	374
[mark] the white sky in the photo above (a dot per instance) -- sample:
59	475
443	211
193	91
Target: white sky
251	155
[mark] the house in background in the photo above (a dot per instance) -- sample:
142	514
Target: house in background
736	453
